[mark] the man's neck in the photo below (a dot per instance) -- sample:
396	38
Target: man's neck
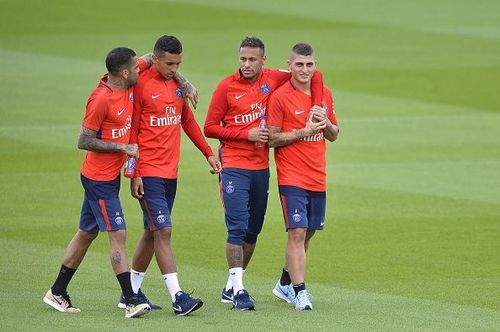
304	87
251	80
117	83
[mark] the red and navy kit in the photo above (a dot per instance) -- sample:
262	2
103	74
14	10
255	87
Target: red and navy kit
160	110
237	106
109	113
302	163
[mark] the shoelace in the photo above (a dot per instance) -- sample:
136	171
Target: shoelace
142	296
65	296
304	296
249	296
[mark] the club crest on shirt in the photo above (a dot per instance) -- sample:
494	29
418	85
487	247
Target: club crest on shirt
230	187
131	97
178	93
265	88
296	216
161	218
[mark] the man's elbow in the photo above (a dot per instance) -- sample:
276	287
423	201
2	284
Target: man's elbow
207	132
82	143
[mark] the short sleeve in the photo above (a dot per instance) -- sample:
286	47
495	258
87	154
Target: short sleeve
95	113
275	112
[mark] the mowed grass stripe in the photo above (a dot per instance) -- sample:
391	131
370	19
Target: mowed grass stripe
477	20
445	179
95	290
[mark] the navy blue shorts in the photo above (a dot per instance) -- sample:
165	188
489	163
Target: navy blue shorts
157	202
101	208
244	195
303	208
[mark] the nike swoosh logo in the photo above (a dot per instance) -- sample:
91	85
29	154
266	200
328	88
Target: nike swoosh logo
240	96
299	112
120	112
155	96
177	308
59	302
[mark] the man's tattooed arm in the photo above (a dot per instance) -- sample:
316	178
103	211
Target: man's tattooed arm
88	141
189	89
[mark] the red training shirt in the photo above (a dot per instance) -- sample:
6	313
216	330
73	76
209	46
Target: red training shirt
109	113
301	163
159	112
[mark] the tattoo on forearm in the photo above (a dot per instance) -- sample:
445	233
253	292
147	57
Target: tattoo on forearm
88	141
188	88
181	79
280	139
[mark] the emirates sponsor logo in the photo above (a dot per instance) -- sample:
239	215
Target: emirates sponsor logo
314	138
170	118
256	112
120	132
155	121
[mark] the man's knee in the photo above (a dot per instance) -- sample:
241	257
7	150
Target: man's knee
117	237
148	235
236	236
88	235
163	233
250	238
297	234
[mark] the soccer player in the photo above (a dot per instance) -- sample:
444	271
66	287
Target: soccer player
298	136
160	111
238	104
105	135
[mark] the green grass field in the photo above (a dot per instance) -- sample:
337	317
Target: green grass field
412	240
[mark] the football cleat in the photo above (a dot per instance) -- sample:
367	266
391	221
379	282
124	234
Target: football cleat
61	302
141	295
303	301
136	307
185	304
227	295
284	293
242	301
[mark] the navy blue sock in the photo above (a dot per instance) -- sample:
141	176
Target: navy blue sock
63	279
299	287
124	280
285	278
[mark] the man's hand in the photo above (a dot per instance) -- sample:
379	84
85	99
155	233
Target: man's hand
215	164
191	93
131	150
313	127
319	113
258	135
136	188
